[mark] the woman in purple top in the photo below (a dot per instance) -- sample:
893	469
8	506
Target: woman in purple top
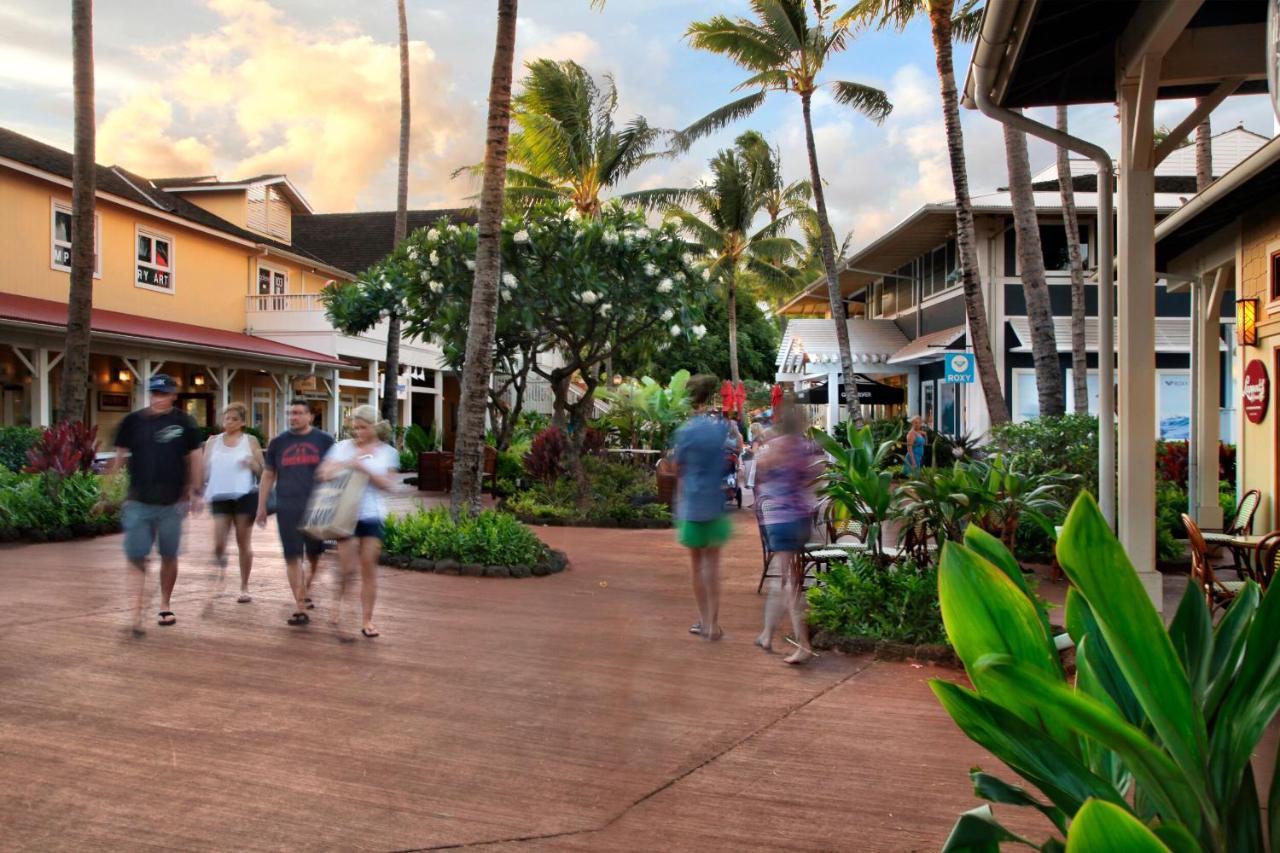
787	469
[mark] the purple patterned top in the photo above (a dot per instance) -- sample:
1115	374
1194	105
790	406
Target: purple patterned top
786	480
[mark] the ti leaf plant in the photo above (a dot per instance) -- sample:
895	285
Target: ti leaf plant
1149	746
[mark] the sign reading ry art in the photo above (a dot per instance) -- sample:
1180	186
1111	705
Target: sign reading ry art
1256	391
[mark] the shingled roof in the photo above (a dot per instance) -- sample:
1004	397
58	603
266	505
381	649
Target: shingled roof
356	241
121	182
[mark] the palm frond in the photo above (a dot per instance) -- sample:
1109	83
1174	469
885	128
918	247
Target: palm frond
717	119
881	14
868	100
743	41
775	247
966	22
772	78
784	21
703	233
658	199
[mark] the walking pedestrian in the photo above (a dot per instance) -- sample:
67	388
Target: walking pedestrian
290	469
788	467
366	451
162	445
701	522
232	463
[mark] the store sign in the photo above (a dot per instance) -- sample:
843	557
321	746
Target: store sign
959	367
154	277
1256	387
306	383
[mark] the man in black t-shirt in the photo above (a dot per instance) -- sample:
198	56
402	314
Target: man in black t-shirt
290	467
162	445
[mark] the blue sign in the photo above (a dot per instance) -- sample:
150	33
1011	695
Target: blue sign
958	367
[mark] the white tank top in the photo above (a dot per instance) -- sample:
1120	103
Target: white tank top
228	476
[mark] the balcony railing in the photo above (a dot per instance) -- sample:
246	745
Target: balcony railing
284	302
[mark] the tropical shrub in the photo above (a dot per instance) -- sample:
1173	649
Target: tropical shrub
858	482
1172	462
1044	445
1018	497
51	506
543	461
1157	729
617	493
64	449
1171	503
943	501
490	538
418	440
15	441
860	598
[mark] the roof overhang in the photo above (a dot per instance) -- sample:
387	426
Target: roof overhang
930	347
285	185
1173	334
1051	52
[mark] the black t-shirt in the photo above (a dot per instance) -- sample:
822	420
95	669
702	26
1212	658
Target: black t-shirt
294	458
158	447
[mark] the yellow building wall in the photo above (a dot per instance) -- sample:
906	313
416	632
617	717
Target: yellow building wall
1257	462
229	205
209	274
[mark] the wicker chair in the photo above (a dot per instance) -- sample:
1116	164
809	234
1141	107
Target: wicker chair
1217	593
1241	525
1267	559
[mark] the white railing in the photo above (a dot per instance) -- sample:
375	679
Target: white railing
284	302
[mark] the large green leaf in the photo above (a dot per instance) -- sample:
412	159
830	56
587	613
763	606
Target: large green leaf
1230	638
1103	761
1251	702
1177	797
1102	827
999	791
1032	754
1095	562
1243	822
1192	635
978	831
1083	628
985	614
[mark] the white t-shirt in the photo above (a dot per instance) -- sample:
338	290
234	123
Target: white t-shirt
380	460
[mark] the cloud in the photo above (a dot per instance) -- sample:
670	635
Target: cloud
321	105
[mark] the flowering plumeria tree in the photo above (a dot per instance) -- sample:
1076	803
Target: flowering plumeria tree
578	289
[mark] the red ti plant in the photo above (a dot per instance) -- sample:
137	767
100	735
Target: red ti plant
64	449
543	460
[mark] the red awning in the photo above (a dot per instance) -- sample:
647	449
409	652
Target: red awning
26	309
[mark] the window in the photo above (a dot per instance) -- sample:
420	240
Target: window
155	261
1053	247
1173	403
906	287
261	413
1026	399
269	212
888	299
938	270
60	235
947	423
926	403
272	282
1275	277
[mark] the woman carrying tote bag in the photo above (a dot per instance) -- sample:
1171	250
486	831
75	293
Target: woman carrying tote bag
367	456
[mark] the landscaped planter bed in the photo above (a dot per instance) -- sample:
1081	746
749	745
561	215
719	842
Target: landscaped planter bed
555	561
938	653
624	524
60	534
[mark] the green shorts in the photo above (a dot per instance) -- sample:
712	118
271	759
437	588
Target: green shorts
704	534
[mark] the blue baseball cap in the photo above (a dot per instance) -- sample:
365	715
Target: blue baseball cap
162	383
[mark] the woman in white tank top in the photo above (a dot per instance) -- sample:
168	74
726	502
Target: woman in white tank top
232	463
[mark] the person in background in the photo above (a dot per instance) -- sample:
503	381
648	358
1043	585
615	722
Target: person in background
367	451
701	522
232	462
914	456
789	466
162	445
290	468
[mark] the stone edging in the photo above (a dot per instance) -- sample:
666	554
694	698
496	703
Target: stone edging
630	524
59	534
884	650
556	561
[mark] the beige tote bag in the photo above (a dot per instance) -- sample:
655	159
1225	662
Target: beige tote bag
334	507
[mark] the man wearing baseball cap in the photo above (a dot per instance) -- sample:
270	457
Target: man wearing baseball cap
162	444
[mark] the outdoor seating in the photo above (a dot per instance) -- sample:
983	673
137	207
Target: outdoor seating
1217	593
1241	523
1266	557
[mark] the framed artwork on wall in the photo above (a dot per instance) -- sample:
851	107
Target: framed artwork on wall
112	402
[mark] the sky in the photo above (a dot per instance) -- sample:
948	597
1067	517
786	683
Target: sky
311	88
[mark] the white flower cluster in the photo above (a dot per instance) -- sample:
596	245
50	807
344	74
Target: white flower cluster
509	280
605	308
435	287
609	237
706	274
665	286
650	270
667	314
521	236
434	258
589	297
413	253
699	330
471	265
675	329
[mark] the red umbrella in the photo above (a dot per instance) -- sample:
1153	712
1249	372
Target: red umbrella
726	397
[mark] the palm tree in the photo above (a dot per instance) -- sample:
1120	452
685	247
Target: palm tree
75	359
1204	154
1044	347
1079	357
477	369
779	197
391	365
946	23
568	146
719	221
785	48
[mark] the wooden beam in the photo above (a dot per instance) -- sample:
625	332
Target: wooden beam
1152	31
1211	54
1141	150
22	358
1206	105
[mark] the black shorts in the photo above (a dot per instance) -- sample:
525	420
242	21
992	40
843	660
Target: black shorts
243	505
293	541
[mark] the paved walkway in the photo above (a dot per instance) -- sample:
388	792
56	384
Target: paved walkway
568	712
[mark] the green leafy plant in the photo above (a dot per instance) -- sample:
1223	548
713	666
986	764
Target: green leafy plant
15	441
1045	445
418	440
1171	503
1018	496
858	483
861	598
617	493
943	501
489	538
1159	725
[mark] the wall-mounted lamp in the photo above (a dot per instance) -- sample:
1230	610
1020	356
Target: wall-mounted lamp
198	380
1247	322
123	375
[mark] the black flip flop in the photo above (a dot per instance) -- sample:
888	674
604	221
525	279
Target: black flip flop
167	618
307	602
299	619
369	634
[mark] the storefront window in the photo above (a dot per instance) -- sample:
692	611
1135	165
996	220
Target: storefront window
947	408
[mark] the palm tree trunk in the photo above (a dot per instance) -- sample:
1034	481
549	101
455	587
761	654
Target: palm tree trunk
732	285
1204	154
1079	356
834	297
468	465
1044	346
966	238
391	364
75	360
